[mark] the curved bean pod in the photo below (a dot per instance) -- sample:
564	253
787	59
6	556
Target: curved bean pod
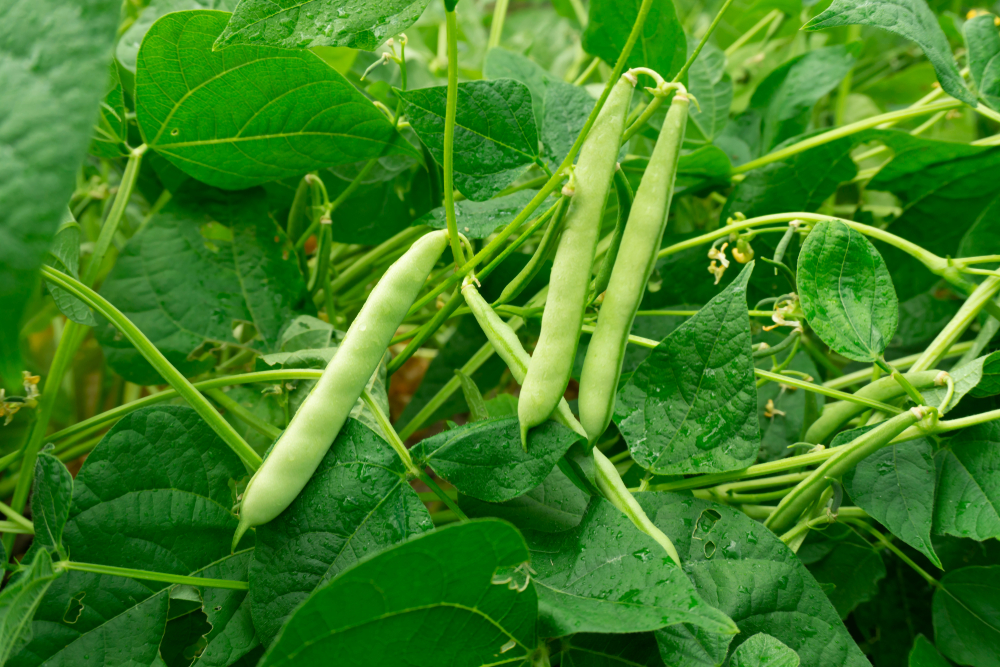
301	448
550	367
636	258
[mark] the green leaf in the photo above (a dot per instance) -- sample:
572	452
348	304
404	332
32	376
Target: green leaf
216	249
967	616
477	220
357	504
763	650
983	44
893	618
746	572
495	132
50	501
293	113
594	650
712	87
127	49
606	575
910	19
485	459
966	378
895	486
111	131
685	645
691	406
155	493
968	490
846	291
299	24
458	595
923	654
19	601
989	383
561	109
49	110
661	46
64	255
553	506
473	398
845	563
228	612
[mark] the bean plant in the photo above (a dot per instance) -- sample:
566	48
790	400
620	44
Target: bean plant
585	334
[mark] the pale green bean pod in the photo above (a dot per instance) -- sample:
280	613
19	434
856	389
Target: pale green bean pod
552	362
636	257
508	346
301	448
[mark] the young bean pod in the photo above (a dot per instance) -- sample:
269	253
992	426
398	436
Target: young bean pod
509	348
542	252
550	367
302	446
636	258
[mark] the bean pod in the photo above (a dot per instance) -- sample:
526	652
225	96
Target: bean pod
551	365
301	448
636	258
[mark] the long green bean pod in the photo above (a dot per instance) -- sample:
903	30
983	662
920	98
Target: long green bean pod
636	258
507	345
301	448
542	252
550	367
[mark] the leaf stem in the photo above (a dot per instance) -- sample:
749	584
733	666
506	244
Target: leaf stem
115	215
956	350
496	26
749	34
149	351
147	575
887	543
977	301
701	44
16	517
901	380
246	416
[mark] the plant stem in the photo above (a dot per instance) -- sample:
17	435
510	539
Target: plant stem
149	351
844	89
16	517
956	350
250	419
844	131
147	575
980	297
13	528
749	34
115	215
901	380
361	266
887	543
496	27
404	454
611	486
766	482
451	107
701	43
426	331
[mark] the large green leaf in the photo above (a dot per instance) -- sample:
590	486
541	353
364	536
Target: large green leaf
606	575
763	650
356	504
911	19
968	488
845	564
691	406
846	291
553	506
54	69
661	45
50	501
891	620
923	654
967	616
154	494
989	383
127	49
477	220
20	599
593	650
228	612
560	108
746	572
249	114
685	645
208	261
983	44
495	132
298	24
485	459
895	485
458	596
712	87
